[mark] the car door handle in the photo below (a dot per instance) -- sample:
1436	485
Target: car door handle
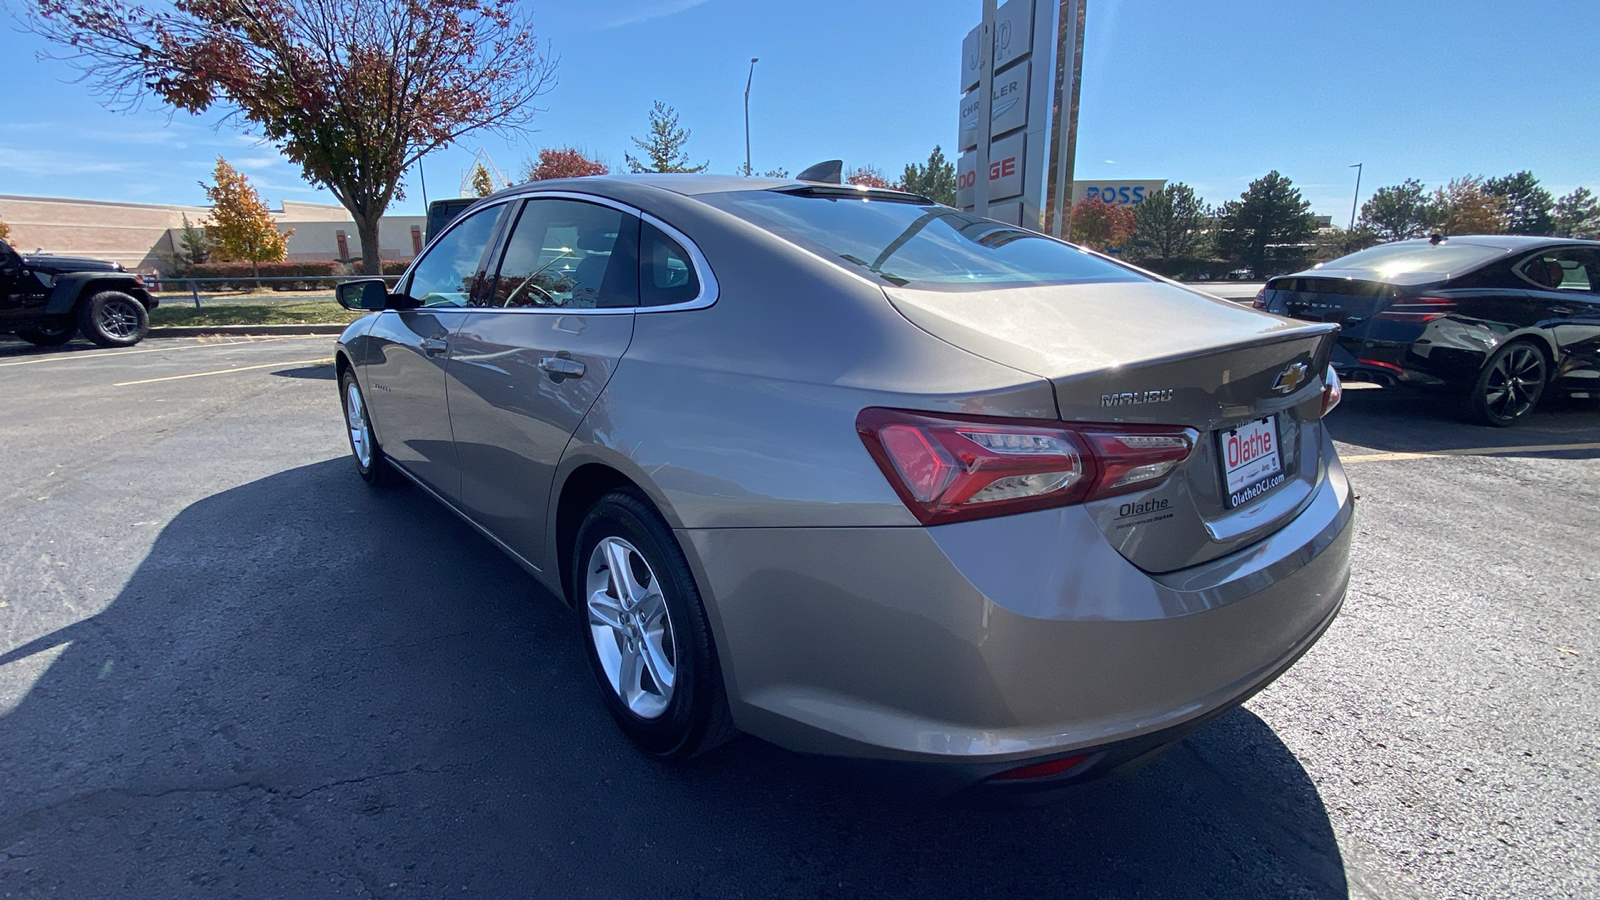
432	345
560	365
1562	310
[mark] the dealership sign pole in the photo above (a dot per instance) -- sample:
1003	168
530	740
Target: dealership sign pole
1018	121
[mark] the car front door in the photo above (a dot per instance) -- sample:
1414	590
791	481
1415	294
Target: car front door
410	350
1565	284
530	361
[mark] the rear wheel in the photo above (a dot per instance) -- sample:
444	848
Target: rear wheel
52	332
113	319
1510	385
646	632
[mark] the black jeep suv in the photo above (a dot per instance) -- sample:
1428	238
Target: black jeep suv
47	299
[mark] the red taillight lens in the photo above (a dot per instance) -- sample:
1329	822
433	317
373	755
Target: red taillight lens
1332	391
1260	302
949	469
1042	770
1418	309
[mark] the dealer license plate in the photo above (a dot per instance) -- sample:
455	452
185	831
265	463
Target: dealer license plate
1251	463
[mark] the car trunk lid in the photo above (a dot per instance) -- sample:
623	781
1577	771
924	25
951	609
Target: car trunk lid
1156	353
1344	300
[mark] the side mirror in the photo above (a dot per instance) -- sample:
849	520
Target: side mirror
363	294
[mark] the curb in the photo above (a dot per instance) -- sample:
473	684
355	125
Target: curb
245	330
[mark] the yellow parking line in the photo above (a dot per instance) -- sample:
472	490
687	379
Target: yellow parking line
325	361
90	354
1469	451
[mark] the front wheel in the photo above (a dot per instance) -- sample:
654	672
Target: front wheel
113	319
50	333
646	632
1510	385
364	447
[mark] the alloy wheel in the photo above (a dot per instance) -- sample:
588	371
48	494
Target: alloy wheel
356	418
119	319
1514	382
631	627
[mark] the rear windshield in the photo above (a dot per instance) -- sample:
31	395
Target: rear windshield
918	244
1409	257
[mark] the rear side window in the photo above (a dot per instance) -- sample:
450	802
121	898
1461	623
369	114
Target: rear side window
666	274
919	244
1562	270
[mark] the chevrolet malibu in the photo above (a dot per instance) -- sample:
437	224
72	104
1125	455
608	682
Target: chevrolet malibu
861	474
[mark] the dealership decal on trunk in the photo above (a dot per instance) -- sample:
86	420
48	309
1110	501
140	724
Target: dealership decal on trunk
1133	397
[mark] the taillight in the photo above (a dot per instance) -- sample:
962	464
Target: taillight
950	469
1260	302
1418	309
1332	391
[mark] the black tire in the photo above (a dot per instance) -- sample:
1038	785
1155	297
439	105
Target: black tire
113	319
51	333
695	719
1510	385
374	469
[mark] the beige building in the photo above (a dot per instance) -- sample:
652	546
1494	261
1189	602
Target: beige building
144	236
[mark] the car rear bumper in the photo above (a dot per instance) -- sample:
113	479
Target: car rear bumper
974	648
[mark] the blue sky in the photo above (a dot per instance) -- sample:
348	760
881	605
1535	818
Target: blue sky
1210	93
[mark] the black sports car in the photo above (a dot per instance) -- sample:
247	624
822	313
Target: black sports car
1497	320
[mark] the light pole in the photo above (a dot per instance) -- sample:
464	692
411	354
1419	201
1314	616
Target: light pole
1357	198
747	80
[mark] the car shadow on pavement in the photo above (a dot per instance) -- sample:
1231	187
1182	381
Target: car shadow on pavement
16	348
310	688
321	371
1398	420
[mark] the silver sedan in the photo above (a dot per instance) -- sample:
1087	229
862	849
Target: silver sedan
864	475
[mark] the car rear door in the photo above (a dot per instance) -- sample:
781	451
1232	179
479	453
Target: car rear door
530	361
410	348
1565	282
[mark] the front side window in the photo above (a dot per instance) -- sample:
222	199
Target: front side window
568	254
444	275
917	243
1562	270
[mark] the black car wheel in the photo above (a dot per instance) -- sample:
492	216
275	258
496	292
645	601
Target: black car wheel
113	319
364	447
51	333
1510	385
645	631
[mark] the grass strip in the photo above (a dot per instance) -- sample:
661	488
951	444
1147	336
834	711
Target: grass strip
287	312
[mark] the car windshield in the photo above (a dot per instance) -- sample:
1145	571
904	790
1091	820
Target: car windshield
1410	257
918	244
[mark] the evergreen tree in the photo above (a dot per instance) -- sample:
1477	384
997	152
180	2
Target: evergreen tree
1169	224
1268	227
1397	212
663	149
1527	205
936	180
193	248
1577	215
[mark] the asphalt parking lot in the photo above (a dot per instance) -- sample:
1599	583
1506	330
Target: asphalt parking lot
228	668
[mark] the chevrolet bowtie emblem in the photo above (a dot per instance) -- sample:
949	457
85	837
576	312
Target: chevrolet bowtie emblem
1291	378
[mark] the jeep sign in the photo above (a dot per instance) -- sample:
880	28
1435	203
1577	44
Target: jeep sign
1014	134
